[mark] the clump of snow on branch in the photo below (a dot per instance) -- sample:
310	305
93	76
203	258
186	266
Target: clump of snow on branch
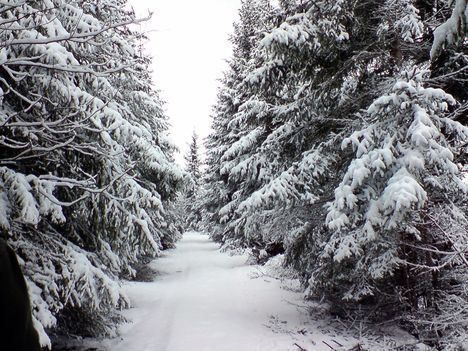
452	30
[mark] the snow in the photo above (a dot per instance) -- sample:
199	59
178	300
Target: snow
4	208
448	31
409	23
209	299
18	186
206	300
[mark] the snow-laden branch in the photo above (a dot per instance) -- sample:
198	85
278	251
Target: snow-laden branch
75	37
79	69
453	29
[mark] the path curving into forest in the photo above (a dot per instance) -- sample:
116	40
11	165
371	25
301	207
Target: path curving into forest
203	299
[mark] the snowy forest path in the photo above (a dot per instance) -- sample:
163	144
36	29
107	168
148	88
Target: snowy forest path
203	299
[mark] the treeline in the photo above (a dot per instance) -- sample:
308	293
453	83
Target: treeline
87	177
339	139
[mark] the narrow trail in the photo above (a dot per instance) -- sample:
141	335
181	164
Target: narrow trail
204	300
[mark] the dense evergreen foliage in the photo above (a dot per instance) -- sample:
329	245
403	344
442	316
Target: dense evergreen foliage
340	134
189	203
86	171
340	139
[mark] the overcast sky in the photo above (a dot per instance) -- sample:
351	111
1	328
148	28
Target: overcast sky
189	44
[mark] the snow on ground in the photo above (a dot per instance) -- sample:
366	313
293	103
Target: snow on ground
206	300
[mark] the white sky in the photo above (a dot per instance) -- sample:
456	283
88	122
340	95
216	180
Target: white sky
189	44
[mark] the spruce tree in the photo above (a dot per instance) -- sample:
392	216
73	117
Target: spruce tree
193	160
191	197
339	139
253	20
85	167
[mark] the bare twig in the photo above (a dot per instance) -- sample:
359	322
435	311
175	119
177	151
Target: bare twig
329	345
299	347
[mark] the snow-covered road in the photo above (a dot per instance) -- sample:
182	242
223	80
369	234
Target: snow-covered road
204	300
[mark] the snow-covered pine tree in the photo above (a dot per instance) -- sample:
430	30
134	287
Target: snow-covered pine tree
85	167
305	70
310	79
388	242
191	198
219	189
398	217
280	120
193	162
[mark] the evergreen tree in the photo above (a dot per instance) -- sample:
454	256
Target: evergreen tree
253	19
193	160
358	223
86	172
191	197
